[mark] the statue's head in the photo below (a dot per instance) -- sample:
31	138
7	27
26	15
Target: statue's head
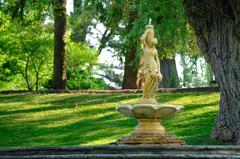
148	38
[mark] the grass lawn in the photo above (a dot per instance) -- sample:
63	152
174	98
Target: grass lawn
91	119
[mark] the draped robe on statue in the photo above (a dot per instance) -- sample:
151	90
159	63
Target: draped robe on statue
149	72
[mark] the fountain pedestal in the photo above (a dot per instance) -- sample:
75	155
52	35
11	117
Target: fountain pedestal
149	126
149	130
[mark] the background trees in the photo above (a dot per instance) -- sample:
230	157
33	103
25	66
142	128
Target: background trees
25	53
27	49
81	60
127	19
121	22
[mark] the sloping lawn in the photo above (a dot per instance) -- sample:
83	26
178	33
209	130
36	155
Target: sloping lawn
91	119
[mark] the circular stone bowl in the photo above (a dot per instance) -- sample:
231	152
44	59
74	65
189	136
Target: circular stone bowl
149	111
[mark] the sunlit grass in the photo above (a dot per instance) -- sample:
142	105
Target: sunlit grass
91	119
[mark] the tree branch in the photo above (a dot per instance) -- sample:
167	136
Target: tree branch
105	38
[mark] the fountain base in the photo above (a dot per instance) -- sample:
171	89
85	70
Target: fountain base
147	126
149	130
149	139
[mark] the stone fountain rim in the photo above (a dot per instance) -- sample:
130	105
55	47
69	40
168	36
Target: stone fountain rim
154	106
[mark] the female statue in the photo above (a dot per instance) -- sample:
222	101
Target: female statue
149	74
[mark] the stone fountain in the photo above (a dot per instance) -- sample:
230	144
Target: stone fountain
147	111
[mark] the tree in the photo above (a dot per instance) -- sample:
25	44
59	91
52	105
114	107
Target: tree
122	26
59	67
130	70
111	73
194	72
37	10
86	15
217	27
169	22
81	61
81	19
169	73
26	51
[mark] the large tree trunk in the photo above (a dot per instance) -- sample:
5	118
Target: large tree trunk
169	73
130	70
216	24
59	72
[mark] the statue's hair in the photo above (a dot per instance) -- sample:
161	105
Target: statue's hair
149	28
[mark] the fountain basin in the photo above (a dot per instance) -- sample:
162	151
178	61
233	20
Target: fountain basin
149	111
149	130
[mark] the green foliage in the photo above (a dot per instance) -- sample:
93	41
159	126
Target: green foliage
7	69
209	74
124	20
169	21
26	58
193	75
26	53
127	21
81	60
27	12
83	119
191	43
195	71
81	19
111	73
167	17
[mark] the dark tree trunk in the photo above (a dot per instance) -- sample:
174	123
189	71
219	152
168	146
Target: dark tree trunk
59	72
26	74
169	73
130	69
216	24
37	80
130	72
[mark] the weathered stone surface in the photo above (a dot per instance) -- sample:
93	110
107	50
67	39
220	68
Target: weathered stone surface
123	152
150	139
149	129
149	111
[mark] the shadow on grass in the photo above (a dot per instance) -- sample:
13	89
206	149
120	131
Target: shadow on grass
71	102
10	98
81	132
167	97
86	120
195	124
196	106
91	122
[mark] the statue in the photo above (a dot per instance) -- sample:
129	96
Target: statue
149	74
147	111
